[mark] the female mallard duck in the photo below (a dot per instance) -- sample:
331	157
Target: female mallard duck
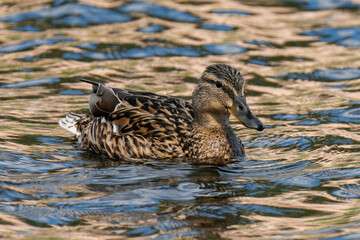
131	124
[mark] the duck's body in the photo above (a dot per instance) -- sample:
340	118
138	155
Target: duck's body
130	124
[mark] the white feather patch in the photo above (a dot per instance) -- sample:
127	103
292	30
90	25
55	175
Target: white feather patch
115	128
69	122
117	105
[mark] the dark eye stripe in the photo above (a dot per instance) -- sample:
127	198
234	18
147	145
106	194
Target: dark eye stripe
228	92
225	88
228	74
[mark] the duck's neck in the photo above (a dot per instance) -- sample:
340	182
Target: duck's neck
212	120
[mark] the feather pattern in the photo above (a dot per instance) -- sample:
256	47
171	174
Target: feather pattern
128	124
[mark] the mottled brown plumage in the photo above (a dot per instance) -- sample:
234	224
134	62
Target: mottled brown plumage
131	124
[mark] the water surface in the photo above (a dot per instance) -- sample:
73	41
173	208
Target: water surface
300	60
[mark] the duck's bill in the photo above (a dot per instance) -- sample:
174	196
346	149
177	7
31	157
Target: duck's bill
241	111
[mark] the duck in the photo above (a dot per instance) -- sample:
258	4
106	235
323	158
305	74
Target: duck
129	124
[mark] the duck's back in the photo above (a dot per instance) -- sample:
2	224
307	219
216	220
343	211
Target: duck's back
141	125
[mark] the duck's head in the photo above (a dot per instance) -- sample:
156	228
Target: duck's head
220	92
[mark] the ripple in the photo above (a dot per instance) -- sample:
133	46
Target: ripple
216	27
349	236
20	163
271	61
338	86
30	83
167	226
308	123
345	36
31	69
27	28
303	170
157	10
348	191
325	75
136	200
224	48
50	140
325	4
152	28
351	115
261	81
10	195
40	216
137	52
232	12
140	232
88	45
338	115
27	45
66	15
71	92
289	117
314	179
235	211
179	235
265	172
263	61
259	43
301	143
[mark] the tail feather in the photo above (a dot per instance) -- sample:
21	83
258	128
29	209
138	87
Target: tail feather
69	123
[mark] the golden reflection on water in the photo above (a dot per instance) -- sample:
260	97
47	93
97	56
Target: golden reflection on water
28	113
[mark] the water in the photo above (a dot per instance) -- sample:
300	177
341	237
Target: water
302	68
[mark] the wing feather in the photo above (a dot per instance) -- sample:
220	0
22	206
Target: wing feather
142	125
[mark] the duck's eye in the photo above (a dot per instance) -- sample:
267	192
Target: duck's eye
218	84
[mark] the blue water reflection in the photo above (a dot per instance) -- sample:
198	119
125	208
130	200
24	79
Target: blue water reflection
216	27
338	115
50	182
152	28
33	82
259	60
289	117
292	174
301	143
345	36
350	236
156	10
348	191
232	12
27	28
141	232
27	45
314	179
40	216
344	115
68	14
71	92
7	194
325	75
21	163
259	43
137	52
236	210
325	4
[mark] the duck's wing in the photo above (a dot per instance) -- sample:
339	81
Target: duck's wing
105	100
140	125
151	117
152	102
122	93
